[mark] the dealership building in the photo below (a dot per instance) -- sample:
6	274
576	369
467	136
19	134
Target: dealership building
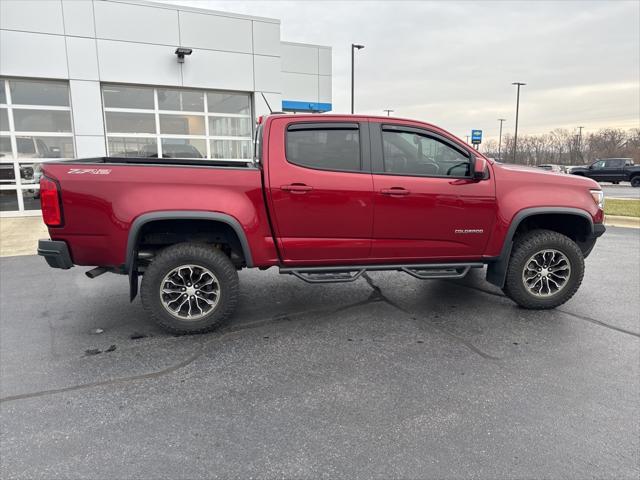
133	78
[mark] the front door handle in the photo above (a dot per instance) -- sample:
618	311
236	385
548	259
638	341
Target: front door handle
395	191
296	188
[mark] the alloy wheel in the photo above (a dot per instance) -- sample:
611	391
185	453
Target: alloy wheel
189	292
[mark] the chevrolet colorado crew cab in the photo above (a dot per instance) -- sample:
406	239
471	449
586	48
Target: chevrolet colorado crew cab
325	198
614	170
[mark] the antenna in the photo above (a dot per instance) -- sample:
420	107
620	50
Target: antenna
265	101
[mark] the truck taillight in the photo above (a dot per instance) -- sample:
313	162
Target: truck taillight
50	202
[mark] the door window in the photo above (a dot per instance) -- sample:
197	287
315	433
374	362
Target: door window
599	165
324	148
408	153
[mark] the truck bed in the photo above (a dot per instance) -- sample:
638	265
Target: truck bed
101	198
206	162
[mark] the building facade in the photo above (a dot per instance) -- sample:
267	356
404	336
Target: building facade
132	78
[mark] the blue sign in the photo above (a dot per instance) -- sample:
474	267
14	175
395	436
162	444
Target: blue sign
296	106
476	137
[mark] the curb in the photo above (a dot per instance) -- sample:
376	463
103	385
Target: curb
618	221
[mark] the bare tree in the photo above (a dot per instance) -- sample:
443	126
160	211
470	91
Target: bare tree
564	147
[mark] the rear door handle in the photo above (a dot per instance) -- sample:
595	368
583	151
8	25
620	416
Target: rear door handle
395	191
296	188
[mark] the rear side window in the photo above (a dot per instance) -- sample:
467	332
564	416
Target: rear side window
615	163
324	147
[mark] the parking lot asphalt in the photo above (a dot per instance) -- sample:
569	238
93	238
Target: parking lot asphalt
387	377
623	190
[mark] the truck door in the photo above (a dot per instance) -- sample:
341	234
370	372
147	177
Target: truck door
614	170
598	171
426	205
320	190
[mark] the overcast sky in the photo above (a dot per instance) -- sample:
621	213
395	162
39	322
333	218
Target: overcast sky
452	63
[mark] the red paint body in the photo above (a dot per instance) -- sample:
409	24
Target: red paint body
343	219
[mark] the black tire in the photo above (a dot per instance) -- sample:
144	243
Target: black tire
635	181
527	246
199	255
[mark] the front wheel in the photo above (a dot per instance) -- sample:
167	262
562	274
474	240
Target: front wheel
545	270
190	288
635	181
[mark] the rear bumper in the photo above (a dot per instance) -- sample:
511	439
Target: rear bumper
56	253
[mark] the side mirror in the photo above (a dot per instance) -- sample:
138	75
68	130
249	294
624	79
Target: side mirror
479	168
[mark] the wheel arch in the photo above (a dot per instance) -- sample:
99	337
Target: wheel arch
137	225
497	270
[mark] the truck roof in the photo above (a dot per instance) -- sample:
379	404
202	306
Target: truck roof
347	116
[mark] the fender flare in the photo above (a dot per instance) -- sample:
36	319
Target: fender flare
497	269
139	222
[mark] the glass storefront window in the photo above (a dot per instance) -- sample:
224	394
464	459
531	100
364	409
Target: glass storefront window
36	126
182	124
229	103
30	173
8	200
119	122
230	149
31	198
4	120
152	115
132	147
5	147
45	147
39	92
26	120
183	148
230	126
180	100
7	174
120	96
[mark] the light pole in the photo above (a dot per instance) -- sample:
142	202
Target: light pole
388	110
580	142
354	47
501	120
515	136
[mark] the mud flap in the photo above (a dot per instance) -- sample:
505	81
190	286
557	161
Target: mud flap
133	284
497	271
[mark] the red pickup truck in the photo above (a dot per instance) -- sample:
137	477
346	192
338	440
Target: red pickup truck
326	198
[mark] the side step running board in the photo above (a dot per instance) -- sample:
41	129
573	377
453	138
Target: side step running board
347	273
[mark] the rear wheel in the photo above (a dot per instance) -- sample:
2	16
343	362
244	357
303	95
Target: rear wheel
545	270
190	288
635	181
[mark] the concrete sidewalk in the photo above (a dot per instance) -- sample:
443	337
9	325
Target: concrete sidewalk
618	221
19	236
